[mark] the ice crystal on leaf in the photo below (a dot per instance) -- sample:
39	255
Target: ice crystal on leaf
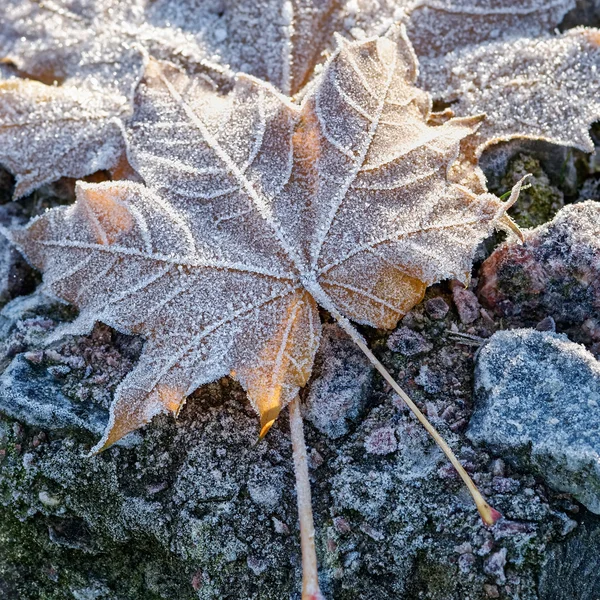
72	130
46	40
540	88
94	50
436	27
254	211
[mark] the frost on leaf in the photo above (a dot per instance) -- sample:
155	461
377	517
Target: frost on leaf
254	210
276	40
436	27
51	131
279	41
94	50
544	89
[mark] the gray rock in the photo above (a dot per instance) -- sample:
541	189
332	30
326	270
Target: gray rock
538	403
340	386
571	571
408	342
32	395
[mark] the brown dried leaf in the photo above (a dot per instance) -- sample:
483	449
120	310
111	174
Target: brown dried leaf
254	210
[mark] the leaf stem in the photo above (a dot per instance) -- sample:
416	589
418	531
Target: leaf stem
488	514
310	580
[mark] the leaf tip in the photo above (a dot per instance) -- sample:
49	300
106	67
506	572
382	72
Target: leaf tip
267	419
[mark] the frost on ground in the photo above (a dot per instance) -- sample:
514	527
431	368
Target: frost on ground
538	401
196	509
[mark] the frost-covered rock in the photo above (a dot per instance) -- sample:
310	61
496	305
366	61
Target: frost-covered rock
33	395
340	388
572	570
555	272
538	403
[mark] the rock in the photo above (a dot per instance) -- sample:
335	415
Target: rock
538	404
381	441
340	384
408	342
556	273
495	564
436	308
547	324
32	395
466	303
572	570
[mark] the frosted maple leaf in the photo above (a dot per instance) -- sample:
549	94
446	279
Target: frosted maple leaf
253	212
538	88
499	58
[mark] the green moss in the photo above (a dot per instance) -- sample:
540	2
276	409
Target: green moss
539	203
32	567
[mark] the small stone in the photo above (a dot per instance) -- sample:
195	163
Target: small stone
48	500
341	525
463	548
429	381
466	303
315	460
486	547
373	533
537	399
546	324
506	529
381	441
466	562
265	486
491	591
408	342
436	308
280	526
498	467
495	564
256	565
340	384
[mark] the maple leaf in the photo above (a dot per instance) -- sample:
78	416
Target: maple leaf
254	210
497	58
437	27
51	40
